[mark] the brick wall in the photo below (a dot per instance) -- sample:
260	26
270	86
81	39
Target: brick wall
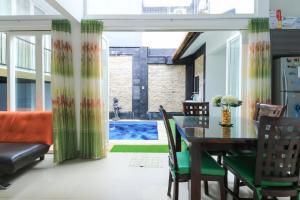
166	86
120	82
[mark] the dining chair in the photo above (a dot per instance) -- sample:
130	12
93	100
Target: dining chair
268	110
200	109
275	170
179	163
195	108
262	109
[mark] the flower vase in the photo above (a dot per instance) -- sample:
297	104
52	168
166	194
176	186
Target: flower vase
226	117
226	132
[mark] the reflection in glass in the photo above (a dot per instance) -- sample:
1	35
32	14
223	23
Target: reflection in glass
25	94
3	93
48	102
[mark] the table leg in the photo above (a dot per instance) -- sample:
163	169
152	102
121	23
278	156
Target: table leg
195	185
178	140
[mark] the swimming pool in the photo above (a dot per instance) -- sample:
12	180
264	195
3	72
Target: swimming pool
133	130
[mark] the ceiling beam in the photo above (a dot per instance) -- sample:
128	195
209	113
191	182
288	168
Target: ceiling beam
72	10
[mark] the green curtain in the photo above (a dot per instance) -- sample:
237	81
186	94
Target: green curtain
62	86
259	64
92	123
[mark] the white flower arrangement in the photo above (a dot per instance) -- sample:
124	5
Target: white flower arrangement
226	101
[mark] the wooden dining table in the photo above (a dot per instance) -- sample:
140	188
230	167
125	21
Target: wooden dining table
206	134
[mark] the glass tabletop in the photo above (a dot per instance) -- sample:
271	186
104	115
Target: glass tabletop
195	128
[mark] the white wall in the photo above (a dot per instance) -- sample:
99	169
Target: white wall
215	64
215	77
288	7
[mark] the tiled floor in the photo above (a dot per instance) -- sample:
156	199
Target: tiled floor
118	177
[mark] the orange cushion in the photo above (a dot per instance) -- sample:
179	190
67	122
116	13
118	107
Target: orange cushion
26	127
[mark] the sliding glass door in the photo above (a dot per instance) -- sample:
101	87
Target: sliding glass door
233	69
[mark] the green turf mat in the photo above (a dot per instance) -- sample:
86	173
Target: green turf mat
140	148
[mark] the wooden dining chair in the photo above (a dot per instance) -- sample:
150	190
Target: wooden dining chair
179	163
196	108
262	109
268	110
275	170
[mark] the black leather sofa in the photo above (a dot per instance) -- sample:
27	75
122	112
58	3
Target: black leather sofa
14	156
24	137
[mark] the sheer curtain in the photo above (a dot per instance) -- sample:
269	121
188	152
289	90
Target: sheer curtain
63	106
258	73
92	120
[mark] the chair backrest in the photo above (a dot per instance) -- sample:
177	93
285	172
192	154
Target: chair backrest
278	150
268	110
171	142
196	108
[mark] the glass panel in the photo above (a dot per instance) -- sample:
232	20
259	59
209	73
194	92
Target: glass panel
3	93
25	51
234	67
170	7
47	53
25	94
234	71
5	7
26	7
48	102
2	48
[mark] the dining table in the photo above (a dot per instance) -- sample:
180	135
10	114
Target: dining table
205	133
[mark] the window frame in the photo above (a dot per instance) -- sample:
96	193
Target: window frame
13	70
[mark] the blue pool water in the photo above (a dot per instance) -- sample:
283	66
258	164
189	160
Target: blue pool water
133	130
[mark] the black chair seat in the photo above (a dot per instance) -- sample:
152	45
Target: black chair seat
14	156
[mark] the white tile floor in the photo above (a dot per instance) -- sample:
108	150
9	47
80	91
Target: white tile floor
118	177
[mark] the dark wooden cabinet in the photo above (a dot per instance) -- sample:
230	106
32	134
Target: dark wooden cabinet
285	42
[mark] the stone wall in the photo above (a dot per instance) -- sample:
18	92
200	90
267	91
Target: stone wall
166	86
120	81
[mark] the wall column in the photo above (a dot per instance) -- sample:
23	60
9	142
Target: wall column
40	78
11	72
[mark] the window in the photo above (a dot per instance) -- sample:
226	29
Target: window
26	7
25	51
48	102
180	7
25	94
47	53
3	93
2	48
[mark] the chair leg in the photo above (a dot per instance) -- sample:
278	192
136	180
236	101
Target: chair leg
219	160
294	198
206	191
170	184
175	189
226	178
222	189
236	186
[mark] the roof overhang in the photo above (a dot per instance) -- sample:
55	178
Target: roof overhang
186	43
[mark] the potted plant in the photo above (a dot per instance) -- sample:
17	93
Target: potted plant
226	102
